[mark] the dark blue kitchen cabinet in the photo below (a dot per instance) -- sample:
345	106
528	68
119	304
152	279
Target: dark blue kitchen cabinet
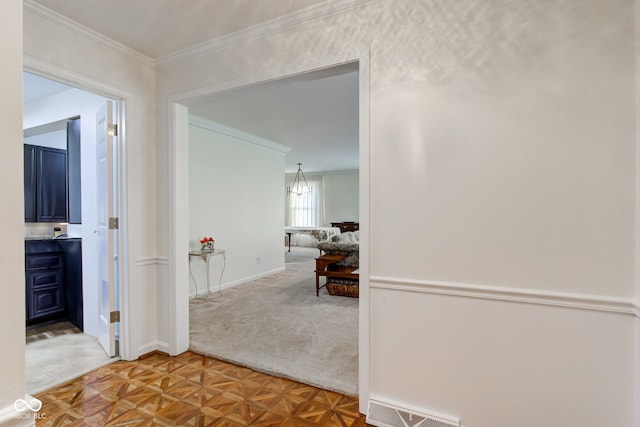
51	184
74	171
30	183
72	250
44	275
53	281
45	184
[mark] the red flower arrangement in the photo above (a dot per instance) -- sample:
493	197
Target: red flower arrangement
207	243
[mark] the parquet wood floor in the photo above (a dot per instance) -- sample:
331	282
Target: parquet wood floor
191	390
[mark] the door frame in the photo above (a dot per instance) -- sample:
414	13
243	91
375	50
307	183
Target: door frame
178	206
119	98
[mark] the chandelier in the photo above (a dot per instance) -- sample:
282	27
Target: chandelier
299	186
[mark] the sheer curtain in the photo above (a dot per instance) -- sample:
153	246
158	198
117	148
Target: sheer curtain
305	210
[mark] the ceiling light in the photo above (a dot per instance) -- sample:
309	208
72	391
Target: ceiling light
299	186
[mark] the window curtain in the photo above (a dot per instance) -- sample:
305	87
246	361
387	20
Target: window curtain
305	210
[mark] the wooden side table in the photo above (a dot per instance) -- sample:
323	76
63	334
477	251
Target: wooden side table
346	226
326	266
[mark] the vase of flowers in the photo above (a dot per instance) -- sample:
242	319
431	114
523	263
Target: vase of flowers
207	244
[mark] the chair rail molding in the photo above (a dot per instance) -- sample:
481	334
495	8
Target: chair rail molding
529	296
145	262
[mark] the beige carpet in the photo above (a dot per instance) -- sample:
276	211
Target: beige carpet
277	325
56	359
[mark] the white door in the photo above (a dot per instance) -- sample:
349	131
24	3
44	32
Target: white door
105	233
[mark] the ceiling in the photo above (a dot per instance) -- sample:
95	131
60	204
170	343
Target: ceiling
316	113
160	27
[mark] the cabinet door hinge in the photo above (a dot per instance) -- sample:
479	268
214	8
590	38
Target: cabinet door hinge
113	130
114	316
113	223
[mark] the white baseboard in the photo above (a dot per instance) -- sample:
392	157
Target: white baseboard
228	285
162	346
12	417
153	346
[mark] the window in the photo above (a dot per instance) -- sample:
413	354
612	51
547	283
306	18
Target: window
306	210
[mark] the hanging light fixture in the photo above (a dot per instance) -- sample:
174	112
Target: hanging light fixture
299	186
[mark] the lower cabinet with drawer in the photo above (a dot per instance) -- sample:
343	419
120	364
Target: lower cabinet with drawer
45	292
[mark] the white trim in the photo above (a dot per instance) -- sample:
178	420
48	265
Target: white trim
47	70
364	202
153	346
309	14
147	262
529	296
325	173
218	128
64	22
228	285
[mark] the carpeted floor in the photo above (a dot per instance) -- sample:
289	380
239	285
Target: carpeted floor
277	325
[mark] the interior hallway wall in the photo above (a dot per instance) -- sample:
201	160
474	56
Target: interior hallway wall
54	47
342	194
502	165
235	196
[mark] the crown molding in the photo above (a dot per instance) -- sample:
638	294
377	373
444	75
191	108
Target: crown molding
325	173
276	25
35	8
529	296
218	128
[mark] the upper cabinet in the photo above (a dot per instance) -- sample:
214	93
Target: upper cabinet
45	177
51	185
52	179
74	171
30	183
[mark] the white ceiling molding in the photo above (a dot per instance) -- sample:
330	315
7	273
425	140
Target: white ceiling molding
34	8
327	173
218	128
282	23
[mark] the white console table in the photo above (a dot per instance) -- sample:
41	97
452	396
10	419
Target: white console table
205	256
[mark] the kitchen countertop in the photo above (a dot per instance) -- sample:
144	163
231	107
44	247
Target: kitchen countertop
36	245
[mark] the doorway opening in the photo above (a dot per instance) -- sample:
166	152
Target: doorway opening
68	306
184	241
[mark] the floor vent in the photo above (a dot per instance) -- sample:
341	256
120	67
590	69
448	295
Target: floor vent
386	415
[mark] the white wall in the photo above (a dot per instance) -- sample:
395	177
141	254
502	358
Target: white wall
12	248
502	147
235	196
86	60
55	139
341	191
73	103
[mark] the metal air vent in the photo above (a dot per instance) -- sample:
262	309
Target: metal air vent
383	414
